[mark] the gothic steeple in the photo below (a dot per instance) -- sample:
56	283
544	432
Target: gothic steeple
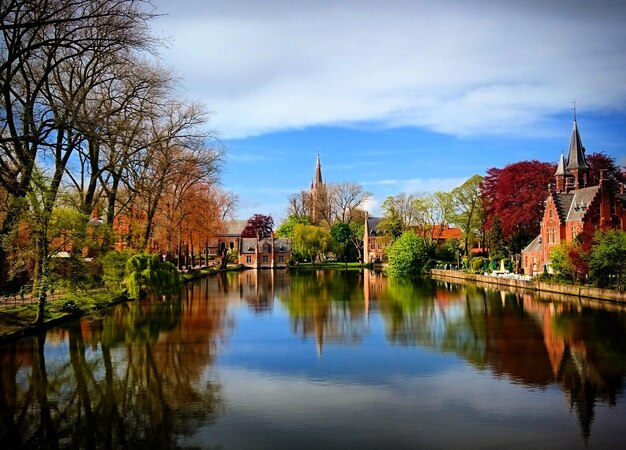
317	178
318	198
576	162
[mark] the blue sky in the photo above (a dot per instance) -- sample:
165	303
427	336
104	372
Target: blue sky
400	96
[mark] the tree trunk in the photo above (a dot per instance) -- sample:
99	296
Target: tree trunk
224	260
42	287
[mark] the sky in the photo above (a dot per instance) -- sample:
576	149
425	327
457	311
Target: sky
399	96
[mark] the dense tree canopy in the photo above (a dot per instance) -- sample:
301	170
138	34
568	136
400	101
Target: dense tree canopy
599	161
287	227
516	194
311	241
607	259
94	131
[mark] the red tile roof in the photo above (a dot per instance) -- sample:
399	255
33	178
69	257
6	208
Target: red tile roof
445	232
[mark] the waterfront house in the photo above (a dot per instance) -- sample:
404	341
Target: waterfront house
375	241
266	253
573	207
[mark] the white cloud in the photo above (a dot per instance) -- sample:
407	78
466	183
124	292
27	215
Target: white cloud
372	206
461	68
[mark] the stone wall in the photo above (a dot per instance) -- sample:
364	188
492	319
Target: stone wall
578	291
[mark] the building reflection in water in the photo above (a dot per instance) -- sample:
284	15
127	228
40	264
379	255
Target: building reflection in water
578	345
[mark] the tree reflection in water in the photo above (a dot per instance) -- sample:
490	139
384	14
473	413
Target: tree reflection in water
132	379
533	342
326	305
138	376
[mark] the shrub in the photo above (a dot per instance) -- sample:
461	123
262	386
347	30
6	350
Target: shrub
147	273
477	264
407	255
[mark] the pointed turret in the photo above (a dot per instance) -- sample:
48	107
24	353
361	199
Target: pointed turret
561	170
561	174
576	162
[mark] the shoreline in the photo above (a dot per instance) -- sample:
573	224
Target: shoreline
27	329
579	292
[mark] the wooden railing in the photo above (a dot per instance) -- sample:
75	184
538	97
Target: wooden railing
13	300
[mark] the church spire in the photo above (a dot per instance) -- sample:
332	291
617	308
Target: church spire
576	162
317	178
318	198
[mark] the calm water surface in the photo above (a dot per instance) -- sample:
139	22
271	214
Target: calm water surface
323	360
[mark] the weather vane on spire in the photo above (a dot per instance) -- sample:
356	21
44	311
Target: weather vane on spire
574	108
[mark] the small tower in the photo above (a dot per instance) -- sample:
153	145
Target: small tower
576	162
560	175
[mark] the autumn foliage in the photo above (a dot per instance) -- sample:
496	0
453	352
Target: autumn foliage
599	161
515	194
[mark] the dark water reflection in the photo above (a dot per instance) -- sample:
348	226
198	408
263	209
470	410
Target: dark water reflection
323	360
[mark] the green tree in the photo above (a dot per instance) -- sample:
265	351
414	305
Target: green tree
560	262
496	240
340	233
287	227
148	273
468	212
607	259
113	269
356	238
407	255
311	241
399	214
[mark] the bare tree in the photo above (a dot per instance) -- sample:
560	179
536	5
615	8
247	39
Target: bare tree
178	152
345	198
227	203
299	205
45	43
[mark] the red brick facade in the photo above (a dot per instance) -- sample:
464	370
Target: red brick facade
572	207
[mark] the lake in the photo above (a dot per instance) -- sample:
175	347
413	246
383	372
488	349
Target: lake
323	359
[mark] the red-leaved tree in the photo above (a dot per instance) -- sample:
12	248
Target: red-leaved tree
259	226
600	160
515	194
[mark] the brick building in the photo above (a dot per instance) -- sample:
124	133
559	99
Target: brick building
573	207
264	253
375	241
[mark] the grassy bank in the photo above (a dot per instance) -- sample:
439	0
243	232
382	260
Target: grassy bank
16	322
